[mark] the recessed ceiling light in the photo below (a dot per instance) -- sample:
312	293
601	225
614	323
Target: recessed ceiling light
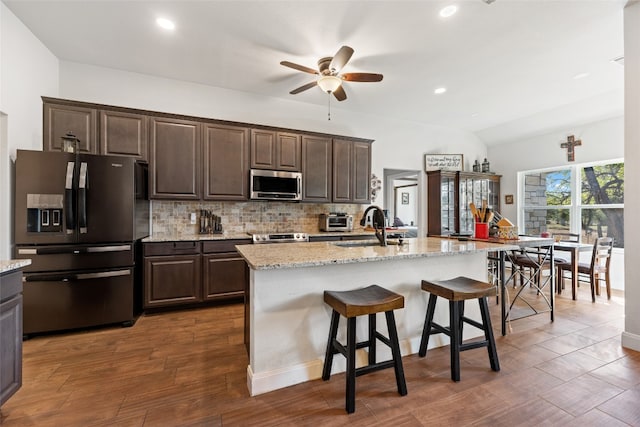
448	11
440	90
165	23
581	76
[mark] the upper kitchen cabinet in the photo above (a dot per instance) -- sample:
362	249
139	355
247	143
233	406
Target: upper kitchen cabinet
174	158
60	119
316	169
351	171
226	162
123	134
100	130
275	150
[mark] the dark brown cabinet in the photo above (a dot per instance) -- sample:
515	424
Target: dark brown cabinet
226	162
275	150
59	119
172	274
225	273
10	334
317	166
123	134
185	273
175	158
449	196
100	130
351	171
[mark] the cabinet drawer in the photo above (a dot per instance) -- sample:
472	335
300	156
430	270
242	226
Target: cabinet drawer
219	246
172	248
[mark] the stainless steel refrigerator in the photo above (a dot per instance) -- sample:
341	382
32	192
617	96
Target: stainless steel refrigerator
79	218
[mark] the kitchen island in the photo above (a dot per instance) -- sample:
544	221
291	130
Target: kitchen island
289	321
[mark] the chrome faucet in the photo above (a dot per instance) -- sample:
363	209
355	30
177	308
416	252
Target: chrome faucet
378	221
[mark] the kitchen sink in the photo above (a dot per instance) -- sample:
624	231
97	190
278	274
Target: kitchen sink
357	243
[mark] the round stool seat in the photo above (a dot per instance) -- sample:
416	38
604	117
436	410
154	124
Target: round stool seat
459	288
358	302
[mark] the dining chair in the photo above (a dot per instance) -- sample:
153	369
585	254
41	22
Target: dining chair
594	270
566	237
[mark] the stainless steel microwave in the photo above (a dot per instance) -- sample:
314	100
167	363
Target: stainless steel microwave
275	185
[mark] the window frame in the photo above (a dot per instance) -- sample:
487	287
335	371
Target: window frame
576	206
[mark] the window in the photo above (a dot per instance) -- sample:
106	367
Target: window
584	199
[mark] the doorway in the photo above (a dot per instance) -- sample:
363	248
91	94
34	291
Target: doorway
403	199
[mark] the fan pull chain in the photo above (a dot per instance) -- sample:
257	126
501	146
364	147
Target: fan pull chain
329	105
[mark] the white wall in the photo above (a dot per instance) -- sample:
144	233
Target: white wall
631	334
28	70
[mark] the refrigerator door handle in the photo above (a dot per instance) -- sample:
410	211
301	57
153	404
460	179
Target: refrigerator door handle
65	277
82	197
69	199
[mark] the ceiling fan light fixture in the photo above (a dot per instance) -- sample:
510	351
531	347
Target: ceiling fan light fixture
329	83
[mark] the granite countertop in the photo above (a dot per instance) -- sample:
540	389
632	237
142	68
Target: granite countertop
8	266
263	257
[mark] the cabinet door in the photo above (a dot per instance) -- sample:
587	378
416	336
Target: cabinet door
342	171
361	172
80	121
174	163
316	169
172	280
224	276
11	344
288	152
123	134
226	163
263	149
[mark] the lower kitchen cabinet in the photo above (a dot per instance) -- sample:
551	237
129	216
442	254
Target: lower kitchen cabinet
224	272
10	334
185	273
171	280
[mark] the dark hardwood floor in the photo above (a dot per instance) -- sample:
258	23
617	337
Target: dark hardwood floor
188	368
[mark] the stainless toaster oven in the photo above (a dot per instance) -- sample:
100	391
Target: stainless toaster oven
336	222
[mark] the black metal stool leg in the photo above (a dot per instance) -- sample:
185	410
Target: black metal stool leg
328	357
350	405
454	319
372	339
461	313
488	334
395	351
426	331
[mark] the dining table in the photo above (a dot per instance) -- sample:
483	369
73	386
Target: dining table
574	248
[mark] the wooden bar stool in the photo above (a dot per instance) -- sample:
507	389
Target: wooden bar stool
359	302
457	291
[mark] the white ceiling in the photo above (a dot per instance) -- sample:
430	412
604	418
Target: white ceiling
508	66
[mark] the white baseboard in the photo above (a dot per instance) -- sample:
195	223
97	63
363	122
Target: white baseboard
291	375
631	341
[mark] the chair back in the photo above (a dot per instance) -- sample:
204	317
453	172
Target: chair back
601	256
567	237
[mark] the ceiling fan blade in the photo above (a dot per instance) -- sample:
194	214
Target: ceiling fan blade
299	67
303	88
361	77
340	94
340	59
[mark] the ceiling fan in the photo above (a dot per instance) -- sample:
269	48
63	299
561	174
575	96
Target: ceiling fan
329	79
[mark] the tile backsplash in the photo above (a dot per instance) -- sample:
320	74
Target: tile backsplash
170	218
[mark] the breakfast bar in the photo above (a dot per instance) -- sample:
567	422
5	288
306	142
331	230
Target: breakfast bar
288	321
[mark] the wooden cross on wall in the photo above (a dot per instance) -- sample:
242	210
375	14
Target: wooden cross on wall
571	142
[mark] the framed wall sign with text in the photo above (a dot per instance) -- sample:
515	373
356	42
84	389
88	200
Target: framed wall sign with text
447	162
